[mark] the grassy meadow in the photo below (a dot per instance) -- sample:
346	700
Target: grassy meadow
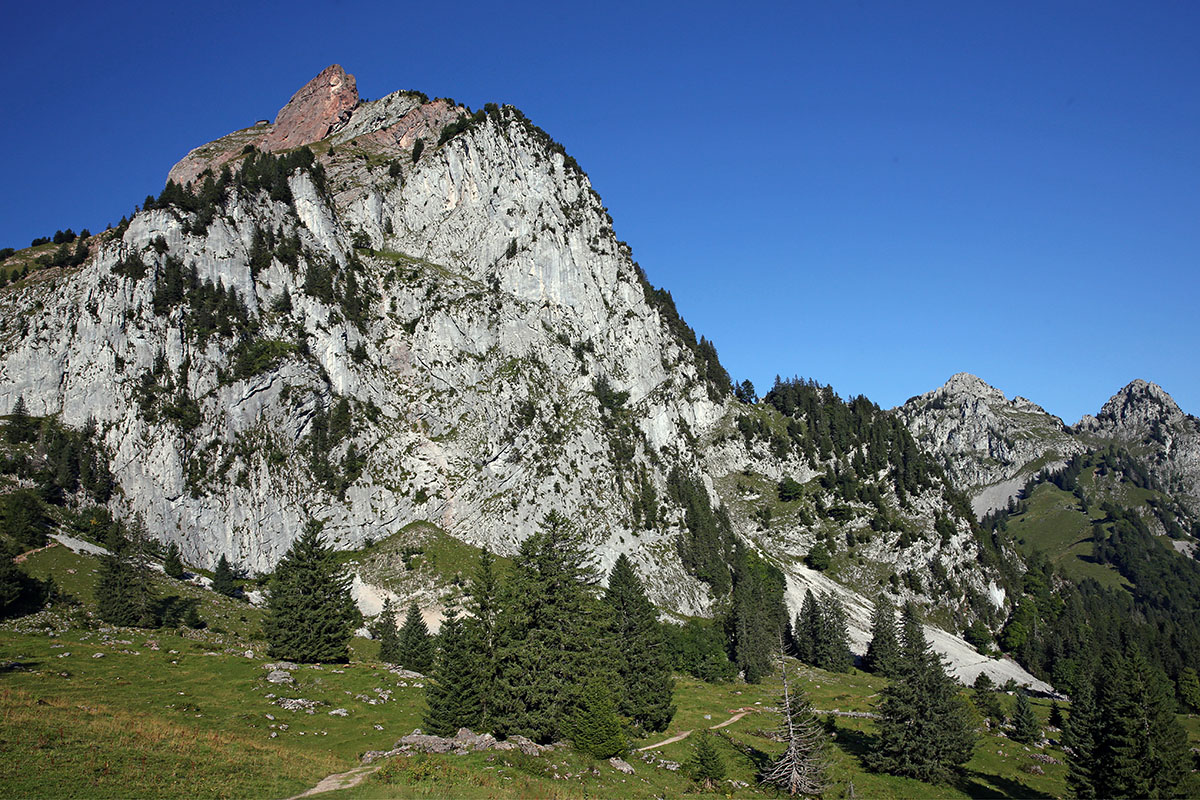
89	710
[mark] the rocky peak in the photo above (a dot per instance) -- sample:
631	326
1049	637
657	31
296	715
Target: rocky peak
1138	406
318	108
462	309
323	105
1143	418
988	444
964	385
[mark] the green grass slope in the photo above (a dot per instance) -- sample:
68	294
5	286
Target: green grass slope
88	710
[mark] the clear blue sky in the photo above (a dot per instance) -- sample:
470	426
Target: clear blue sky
876	195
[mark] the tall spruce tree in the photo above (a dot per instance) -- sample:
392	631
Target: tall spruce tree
310	613
1189	688
222	582
987	702
124	591
1141	749
1079	741
832	648
547	632
925	729
822	638
453	691
807	629
757	614
1055	720
644	674
172	564
20	426
1026	728
416	645
483	602
389	636
883	653
801	768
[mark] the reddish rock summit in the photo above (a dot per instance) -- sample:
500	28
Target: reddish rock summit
323	104
319	106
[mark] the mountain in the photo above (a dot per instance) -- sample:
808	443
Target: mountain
410	325
415	322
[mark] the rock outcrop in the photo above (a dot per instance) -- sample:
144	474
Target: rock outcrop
324	104
319	108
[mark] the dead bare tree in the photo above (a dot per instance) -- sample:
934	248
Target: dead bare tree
801	768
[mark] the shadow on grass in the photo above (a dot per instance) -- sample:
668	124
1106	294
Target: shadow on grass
984	787
18	666
856	743
761	760
972	783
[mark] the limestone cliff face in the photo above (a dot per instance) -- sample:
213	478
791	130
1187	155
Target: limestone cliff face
1147	421
989	445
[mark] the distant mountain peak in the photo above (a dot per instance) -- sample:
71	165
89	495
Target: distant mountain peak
1139	405
988	443
964	383
1144	391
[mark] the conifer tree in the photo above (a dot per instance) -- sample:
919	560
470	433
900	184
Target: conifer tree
1189	688
389	637
883	653
1056	718
986	700
1141	749
222	582
644	674
1026	728
480	628
807	629
757	614
310	615
594	727
172	565
924	727
24	518
1079	742
18	591
832	648
801	768
124	591
546	634
20	426
453	691
416	645
707	765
